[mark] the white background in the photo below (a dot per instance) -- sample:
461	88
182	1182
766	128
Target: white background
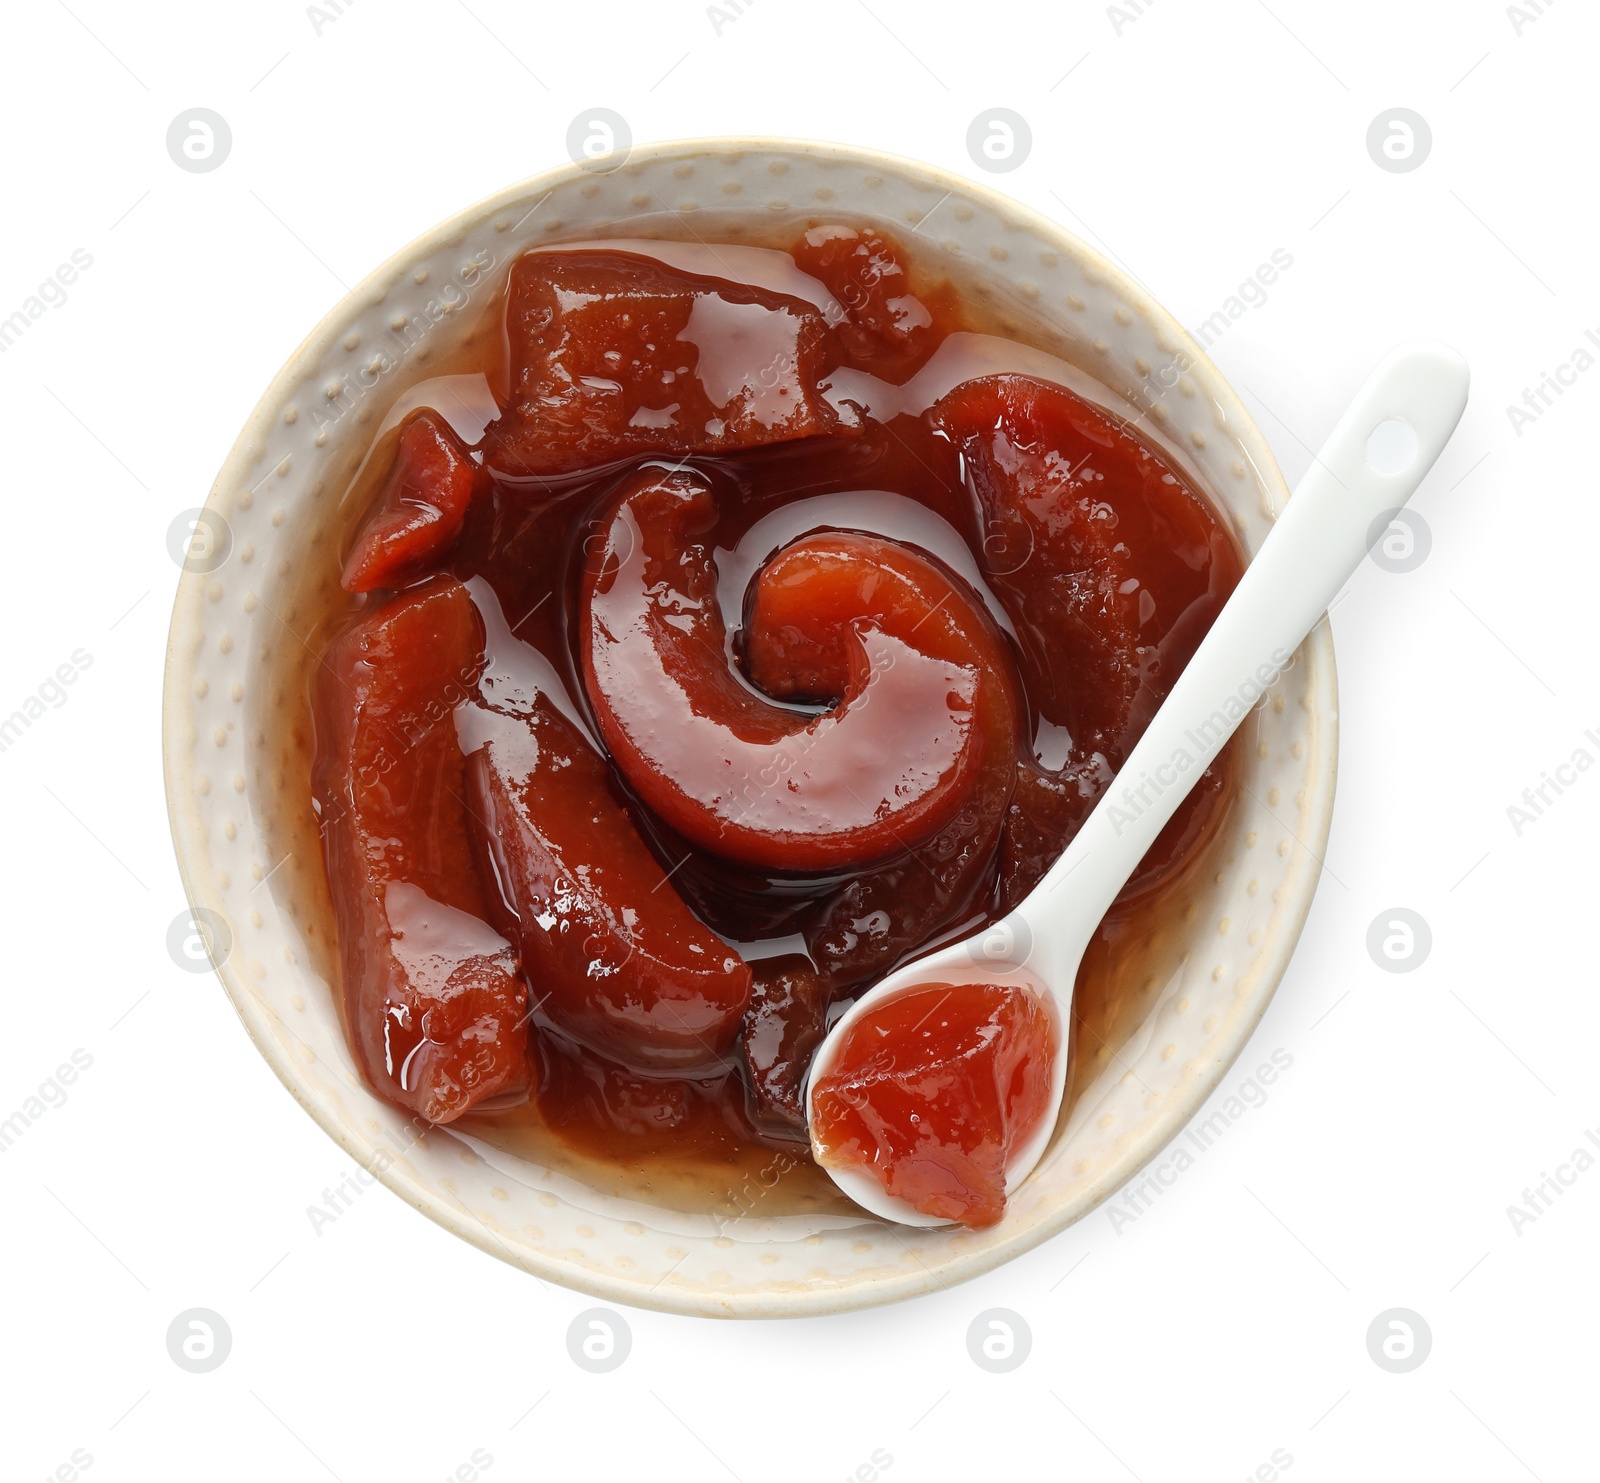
1225	1324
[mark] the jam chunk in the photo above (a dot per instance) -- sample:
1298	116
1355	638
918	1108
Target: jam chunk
1111	568
433	1003
614	957
1045	469
783	1027
421	510
859	623
932	1092
616	355
886	328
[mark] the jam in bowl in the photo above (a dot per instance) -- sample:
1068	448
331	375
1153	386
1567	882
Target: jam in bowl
766	621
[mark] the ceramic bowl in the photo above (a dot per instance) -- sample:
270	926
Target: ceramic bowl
236	735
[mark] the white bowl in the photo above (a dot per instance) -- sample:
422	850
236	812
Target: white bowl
235	735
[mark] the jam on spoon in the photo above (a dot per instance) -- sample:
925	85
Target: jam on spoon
933	1092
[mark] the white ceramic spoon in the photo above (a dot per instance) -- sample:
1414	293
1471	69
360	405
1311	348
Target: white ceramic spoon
1371	464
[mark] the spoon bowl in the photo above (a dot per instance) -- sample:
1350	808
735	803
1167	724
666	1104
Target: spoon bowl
1371	464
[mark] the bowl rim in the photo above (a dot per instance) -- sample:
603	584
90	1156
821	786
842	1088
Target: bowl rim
184	813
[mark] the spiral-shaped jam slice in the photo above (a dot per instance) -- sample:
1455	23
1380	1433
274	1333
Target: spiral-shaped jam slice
892	643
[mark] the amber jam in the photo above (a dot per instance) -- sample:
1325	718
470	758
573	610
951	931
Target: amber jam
745	636
933	1092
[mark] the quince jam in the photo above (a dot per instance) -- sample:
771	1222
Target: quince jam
763	629
933	1092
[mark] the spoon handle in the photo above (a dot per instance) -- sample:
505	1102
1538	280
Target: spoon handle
1316	544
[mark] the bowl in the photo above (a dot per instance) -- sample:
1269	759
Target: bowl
236	735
